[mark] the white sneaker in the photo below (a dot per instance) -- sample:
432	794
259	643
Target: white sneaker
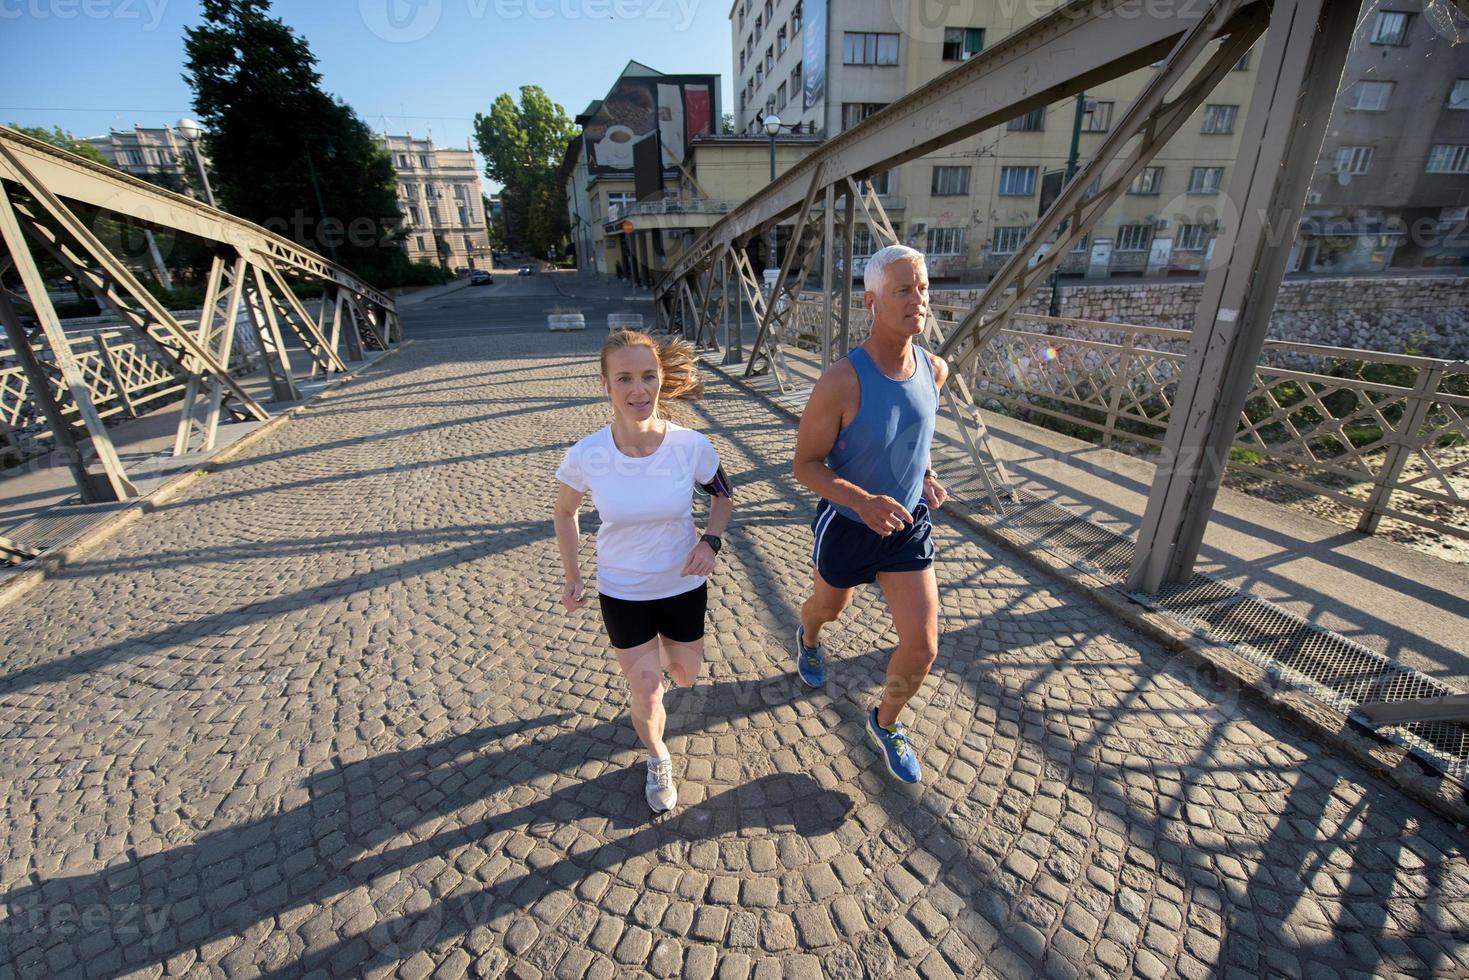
662	794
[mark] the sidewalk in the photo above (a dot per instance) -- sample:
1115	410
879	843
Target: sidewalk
323	712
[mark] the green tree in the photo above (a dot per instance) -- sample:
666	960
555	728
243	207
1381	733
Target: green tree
59	137
285	153
523	146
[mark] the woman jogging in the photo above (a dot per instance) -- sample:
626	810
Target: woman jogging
641	472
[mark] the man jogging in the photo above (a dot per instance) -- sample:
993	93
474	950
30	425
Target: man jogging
863	447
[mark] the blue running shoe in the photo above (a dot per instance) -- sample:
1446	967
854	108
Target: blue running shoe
810	661
897	751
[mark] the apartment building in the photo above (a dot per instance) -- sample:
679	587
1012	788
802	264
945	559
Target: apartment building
439	195
158	155
824	67
1392	187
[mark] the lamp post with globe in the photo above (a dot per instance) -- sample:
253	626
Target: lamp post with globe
191	131
772	129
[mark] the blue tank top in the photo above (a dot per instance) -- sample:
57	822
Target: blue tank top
884	450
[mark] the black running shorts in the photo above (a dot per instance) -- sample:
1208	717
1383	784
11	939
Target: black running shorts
633	622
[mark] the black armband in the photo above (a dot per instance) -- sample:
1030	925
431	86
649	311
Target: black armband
719	485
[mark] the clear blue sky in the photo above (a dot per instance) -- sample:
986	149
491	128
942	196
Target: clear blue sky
407	65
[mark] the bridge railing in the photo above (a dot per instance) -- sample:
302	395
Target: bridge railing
1384	435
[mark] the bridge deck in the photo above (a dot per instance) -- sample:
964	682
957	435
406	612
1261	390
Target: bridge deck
323	711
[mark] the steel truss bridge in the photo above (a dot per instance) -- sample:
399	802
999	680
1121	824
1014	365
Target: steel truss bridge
56	392
1191	47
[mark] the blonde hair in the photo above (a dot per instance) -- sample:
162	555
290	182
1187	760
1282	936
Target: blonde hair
677	368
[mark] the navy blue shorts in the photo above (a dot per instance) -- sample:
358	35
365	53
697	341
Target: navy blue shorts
848	553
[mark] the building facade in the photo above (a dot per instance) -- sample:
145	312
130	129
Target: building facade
824	66
439	195
1392	187
158	155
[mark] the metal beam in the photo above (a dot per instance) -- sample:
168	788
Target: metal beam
1297	78
1147	125
118	483
77	179
1074	47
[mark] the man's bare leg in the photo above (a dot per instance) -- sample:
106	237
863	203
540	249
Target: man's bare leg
913	600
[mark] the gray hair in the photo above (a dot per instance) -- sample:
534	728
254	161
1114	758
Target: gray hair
877	265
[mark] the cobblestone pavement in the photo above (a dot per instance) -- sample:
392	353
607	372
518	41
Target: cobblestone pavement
323	715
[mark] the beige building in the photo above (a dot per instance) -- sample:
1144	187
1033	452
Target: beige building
159	155
826	66
439	195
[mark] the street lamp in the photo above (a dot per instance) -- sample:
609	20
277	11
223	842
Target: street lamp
772	129
190	131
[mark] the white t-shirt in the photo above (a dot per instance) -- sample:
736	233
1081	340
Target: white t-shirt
646	507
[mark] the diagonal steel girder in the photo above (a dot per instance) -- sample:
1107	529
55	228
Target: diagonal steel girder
1146	127
1074	47
76	179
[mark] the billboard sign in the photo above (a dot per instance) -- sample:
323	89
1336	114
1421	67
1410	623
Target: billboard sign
813	53
674	107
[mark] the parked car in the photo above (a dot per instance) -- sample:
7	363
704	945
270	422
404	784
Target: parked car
480	277
525	270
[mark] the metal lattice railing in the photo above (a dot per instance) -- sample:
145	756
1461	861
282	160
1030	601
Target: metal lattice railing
123	376
1386	435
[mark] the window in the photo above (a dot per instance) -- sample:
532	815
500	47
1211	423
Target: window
780	40
468	245
759	26
780	96
1018	181
1205	180
463	215
770	58
750	46
1192	238
854	112
1097	118
768	5
1008	238
742	62
413	215
1391	27
421	246
1352	160
796	80
1243	64
1219	119
1446	158
950	180
1373	96
1134	238
796	20
743	101
945	241
1150	181
423	160
862	243
743	11
869	49
1459	94
880	182
759	75
1032	122
962	43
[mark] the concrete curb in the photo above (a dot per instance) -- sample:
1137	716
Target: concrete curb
53	561
1204	657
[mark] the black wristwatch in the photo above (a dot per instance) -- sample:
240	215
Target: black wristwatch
714	541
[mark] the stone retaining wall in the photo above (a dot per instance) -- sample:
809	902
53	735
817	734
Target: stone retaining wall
1423	315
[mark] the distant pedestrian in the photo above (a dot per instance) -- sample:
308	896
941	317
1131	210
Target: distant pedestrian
863	447
641	472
